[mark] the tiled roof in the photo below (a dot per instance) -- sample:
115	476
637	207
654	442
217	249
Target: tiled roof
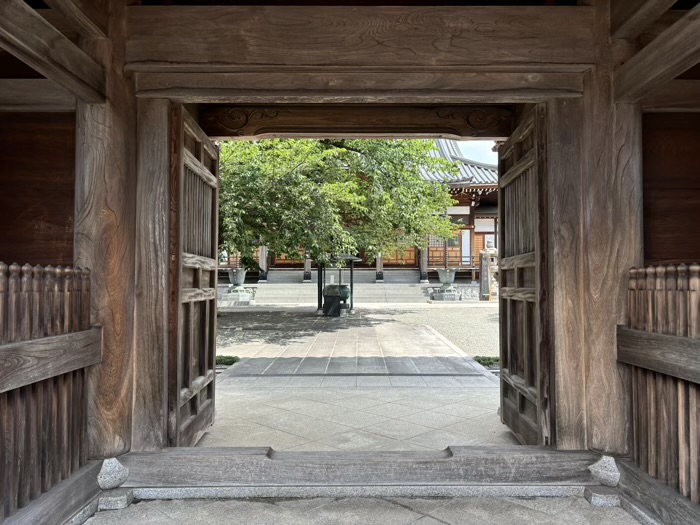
471	173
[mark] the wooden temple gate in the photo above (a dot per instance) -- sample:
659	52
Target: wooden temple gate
524	337
140	80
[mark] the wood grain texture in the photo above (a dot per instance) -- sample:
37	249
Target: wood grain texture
667	56
61	503
671	188
611	196
105	211
566	287
152	283
659	500
30	361
355	37
29	37
346	120
680	95
34	95
88	17
666	354
629	18
337	87
455	465
36	201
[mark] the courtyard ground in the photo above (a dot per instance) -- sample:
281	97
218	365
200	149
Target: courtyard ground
380	379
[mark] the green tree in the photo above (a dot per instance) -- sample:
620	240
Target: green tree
327	197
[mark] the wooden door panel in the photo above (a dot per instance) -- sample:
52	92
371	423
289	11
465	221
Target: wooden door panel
523	276
194	237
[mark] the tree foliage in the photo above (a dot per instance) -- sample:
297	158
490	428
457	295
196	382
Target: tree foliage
327	197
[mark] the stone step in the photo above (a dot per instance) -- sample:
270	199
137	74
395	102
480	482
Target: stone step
263	472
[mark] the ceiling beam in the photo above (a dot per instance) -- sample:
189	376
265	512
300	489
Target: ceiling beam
29	37
673	52
85	16
398	38
356	121
36	94
629	18
677	95
270	87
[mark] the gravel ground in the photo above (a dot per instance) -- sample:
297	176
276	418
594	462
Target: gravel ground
473	328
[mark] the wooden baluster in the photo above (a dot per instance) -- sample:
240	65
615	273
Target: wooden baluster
632	304
4	489
25	302
85	300
660	319
632	298
57	315
683	408
693	390
69	274
3	304
670	428
682	301
47	303
13	303
650	310
77	297
37	302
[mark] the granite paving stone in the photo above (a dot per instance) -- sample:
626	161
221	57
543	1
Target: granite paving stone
366	511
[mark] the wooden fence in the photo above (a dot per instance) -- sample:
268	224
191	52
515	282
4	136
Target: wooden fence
46	344
661	344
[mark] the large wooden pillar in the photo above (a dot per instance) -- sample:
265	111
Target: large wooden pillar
611	201
104	238
152	286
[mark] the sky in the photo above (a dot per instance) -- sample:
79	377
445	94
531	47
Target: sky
478	150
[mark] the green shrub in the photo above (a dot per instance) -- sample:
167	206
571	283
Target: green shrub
487	361
227	360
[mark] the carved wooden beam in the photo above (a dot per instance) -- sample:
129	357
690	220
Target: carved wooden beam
84	15
670	54
32	39
377	121
239	38
677	95
35	94
629	18
337	87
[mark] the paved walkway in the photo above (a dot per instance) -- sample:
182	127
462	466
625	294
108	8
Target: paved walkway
362	382
368	511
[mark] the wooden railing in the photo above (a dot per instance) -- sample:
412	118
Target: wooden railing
46	344
661	345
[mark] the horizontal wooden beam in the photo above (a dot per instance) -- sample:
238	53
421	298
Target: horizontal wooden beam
240	38
63	501
337	87
27	362
40	95
666	354
192	295
190	260
629	18
661	502
677	95
356	121
32	39
85	15
525	260
673	52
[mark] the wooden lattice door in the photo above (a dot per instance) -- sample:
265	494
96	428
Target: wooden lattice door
524	341
193	278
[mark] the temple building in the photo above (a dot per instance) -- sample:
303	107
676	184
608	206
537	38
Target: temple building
475	216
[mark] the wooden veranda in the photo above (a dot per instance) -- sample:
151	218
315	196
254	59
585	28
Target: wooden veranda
108	109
